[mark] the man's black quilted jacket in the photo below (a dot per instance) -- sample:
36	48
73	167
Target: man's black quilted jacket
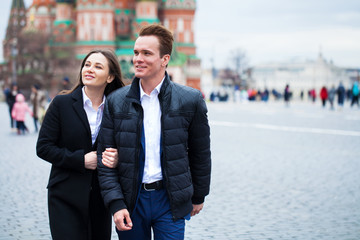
185	143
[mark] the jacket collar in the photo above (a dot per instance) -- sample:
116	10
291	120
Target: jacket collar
134	92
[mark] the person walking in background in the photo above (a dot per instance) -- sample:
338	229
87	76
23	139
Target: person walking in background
38	101
18	113
341	95
161	131
287	95
10	95
331	96
68	140
323	95
65	84
355	94
313	95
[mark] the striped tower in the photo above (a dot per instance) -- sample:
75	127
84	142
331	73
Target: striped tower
64	25
178	16
124	13
95	25
146	13
41	15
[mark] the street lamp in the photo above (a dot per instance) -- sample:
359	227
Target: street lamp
14	53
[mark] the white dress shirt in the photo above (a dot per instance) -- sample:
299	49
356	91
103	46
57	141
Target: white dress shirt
94	117
152	131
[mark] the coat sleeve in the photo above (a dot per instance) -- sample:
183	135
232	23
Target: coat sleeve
108	177
199	152
48	145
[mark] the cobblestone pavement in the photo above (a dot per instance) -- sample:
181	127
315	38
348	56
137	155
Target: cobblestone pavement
278	173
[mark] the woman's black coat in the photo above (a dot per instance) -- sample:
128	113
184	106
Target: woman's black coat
64	139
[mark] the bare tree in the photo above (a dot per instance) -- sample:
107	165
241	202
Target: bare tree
38	61
240	60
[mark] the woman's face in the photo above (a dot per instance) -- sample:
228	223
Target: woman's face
95	72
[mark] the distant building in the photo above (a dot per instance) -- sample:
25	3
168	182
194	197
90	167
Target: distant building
114	24
17	21
301	75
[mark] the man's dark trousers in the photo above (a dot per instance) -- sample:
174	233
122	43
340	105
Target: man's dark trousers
153	210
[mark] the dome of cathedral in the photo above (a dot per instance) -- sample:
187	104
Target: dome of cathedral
44	2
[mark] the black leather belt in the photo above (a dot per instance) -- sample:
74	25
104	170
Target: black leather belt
152	186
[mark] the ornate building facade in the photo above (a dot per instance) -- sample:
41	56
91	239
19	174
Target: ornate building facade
114	24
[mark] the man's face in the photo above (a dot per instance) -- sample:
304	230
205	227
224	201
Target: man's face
147	61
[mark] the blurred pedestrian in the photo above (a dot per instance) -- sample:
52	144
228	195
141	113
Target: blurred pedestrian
313	95
68	140
323	95
287	95
355	94
331	96
341	95
10	95
38	101
18	113
65	84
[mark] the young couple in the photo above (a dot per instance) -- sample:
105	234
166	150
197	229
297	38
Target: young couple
141	153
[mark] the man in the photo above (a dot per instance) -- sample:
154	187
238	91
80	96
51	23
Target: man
161	132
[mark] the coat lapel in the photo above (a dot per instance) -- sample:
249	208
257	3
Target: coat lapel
78	106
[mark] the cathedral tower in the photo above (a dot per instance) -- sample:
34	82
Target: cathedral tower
178	16
64	25
95	25
146	13
124	13
17	21
41	15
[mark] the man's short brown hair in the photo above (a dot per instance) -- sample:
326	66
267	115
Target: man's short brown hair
165	37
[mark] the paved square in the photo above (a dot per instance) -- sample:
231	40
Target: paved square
278	173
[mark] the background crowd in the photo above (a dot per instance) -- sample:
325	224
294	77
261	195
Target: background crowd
328	95
35	102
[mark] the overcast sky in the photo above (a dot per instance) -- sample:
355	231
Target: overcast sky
269	30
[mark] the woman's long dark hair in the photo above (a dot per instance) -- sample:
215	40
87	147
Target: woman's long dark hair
114	70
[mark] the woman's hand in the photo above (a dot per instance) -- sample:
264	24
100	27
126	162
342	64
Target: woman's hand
91	160
110	157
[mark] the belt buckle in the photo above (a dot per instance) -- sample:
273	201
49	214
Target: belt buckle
148	190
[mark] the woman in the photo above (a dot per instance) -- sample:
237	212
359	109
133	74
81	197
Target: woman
38	102
67	139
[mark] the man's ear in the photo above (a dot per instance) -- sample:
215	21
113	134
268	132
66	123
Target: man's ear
165	60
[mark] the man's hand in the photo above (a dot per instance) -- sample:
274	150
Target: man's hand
196	209
90	160
110	157
122	220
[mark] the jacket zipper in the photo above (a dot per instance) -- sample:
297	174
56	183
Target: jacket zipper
162	159
135	181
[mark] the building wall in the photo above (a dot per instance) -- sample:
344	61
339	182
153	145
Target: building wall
115	23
